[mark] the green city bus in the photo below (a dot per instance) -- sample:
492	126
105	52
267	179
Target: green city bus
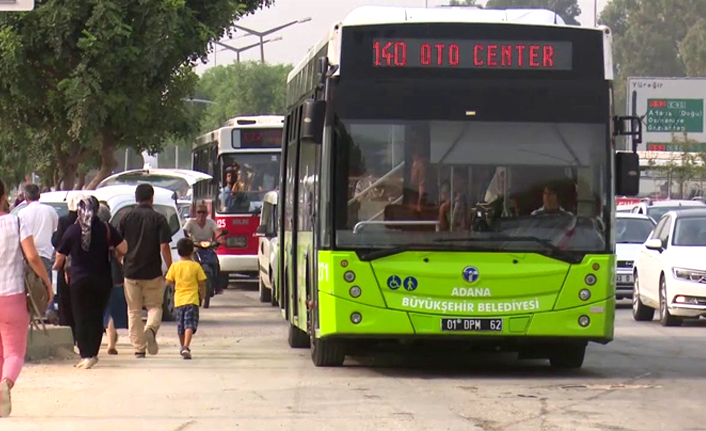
449	175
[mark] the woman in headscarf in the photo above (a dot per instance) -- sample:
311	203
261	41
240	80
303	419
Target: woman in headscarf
88	242
63	299
115	316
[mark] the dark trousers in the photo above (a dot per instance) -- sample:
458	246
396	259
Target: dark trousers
89	297
66	312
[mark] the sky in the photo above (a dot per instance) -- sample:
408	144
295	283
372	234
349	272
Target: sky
297	39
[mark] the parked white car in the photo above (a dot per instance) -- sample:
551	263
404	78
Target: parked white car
655	210
268	248
631	232
180	181
121	199
670	271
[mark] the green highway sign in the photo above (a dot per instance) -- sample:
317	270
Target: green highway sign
675	115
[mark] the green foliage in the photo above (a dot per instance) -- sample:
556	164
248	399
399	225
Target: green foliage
656	38
569	10
688	165
246	88
88	76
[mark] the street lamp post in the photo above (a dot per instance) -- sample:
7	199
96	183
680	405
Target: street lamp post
262	34
245	48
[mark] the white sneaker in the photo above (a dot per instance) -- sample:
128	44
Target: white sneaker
90	362
5	401
82	363
152	346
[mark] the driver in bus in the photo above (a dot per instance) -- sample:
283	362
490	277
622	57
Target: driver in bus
550	197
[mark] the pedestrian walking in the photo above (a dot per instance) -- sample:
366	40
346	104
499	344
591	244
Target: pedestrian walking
14	318
88	242
189	292
148	235
42	221
66	313
115	316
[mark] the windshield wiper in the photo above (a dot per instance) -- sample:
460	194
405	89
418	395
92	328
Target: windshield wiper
556	252
385	252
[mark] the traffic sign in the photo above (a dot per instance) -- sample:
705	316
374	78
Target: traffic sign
16	5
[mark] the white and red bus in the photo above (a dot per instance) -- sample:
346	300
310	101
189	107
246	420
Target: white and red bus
245	150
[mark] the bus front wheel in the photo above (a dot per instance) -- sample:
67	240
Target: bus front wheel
568	357
327	353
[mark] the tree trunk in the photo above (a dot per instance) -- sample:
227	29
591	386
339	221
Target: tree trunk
81	180
108	163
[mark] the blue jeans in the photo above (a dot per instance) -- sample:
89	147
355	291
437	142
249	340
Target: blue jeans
48	265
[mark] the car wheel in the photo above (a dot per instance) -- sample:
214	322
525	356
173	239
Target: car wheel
264	292
665	318
168	309
326	352
640	311
297	338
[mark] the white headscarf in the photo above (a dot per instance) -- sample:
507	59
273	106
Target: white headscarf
74	198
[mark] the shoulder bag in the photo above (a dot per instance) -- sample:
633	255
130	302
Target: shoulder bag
36	291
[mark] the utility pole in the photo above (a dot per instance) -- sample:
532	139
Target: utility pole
262	34
245	48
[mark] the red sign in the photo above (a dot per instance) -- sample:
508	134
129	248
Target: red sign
468	54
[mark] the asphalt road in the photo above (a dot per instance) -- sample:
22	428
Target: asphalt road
245	377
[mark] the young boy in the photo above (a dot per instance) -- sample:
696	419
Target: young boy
189	291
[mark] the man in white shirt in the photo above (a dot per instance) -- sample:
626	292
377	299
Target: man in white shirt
42	220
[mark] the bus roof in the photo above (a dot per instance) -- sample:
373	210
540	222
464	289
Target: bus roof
241	122
255	121
380	15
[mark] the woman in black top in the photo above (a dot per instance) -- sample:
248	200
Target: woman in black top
88	242
63	294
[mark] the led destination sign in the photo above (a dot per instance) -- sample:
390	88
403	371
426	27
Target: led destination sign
472	54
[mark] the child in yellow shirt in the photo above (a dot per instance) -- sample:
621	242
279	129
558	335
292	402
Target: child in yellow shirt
189	291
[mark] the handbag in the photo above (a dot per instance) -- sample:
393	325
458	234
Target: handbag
36	291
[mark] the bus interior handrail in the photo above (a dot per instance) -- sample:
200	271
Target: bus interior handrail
376	183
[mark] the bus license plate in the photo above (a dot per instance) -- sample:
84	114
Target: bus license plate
473	325
236	242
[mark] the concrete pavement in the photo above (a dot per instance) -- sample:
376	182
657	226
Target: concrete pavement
244	376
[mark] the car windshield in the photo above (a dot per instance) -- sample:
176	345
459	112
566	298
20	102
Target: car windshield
632	230
175	184
433	182
690	232
657	212
247	177
61	208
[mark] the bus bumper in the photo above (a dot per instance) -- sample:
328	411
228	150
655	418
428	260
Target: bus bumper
335	321
238	263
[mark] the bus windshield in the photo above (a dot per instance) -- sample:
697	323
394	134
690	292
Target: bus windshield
495	186
246	178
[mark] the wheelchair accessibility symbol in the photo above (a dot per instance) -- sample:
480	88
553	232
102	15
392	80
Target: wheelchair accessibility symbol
394	282
410	283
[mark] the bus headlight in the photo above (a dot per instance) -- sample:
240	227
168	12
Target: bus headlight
349	276
590	279
356	318
585	294
355	291
584	321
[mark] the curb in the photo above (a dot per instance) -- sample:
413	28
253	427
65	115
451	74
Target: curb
56	342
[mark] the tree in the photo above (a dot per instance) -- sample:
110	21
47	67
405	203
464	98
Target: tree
247	88
568	10
87	77
655	38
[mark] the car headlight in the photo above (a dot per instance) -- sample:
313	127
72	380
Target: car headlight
689	275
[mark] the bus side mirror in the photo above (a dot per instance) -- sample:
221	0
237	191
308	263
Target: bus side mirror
313	118
629	125
627	173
